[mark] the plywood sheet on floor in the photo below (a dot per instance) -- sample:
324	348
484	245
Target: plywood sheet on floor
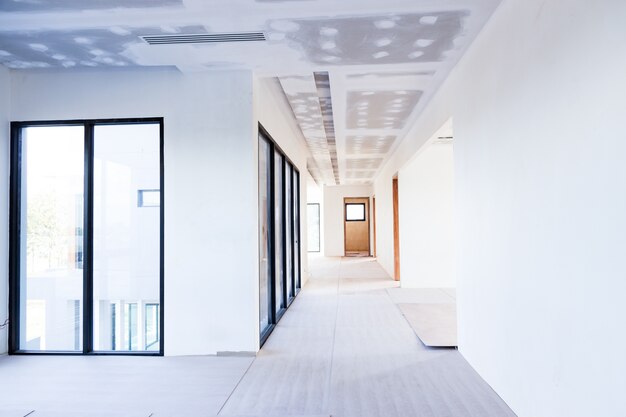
433	323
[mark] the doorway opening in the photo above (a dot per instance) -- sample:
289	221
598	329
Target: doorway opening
356	226
396	231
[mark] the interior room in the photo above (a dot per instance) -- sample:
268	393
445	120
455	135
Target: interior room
304	208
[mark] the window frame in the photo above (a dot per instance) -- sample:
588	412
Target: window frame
285	231
355	220
15	233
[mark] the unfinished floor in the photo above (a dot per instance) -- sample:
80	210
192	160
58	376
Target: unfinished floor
342	349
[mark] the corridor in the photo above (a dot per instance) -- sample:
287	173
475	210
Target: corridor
344	349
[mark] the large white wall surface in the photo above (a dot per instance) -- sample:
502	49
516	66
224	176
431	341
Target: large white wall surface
426	206
538	104
210	187
5	93
273	112
333	215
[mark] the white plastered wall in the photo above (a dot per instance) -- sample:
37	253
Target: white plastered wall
315	195
210	187
540	161
426	211
5	94
333	215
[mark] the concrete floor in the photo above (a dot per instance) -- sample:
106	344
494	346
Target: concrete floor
342	349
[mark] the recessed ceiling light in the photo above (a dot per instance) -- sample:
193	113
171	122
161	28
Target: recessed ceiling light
382	42
331	58
96	52
68	64
367	93
4	53
59	57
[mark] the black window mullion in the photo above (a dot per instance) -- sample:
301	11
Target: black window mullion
14	237
292	227
271	233
88	241
285	276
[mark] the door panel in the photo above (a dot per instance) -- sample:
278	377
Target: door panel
356	226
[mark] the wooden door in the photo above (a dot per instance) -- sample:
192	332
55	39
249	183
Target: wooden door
396	232
356	227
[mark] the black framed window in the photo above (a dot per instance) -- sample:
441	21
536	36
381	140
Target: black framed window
84	255
279	233
355	212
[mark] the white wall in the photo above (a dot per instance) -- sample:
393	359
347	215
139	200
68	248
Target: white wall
315	194
540	162
333	215
5	93
210	255
426	211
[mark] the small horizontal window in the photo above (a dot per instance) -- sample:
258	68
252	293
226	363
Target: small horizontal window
355	212
148	198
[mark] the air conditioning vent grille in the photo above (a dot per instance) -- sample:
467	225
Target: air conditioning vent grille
203	38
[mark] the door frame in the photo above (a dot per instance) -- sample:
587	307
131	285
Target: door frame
367	219
396	230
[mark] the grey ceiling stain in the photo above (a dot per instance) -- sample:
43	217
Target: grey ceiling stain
322	83
384	75
381	39
87	48
380	109
363	163
78	5
368	144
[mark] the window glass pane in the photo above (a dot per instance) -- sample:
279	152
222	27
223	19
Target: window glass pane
313	227
126	237
51	281
289	229
355	212
278	223
264	237
152	326
296	227
149	198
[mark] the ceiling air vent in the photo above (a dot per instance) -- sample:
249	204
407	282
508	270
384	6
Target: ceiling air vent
175	39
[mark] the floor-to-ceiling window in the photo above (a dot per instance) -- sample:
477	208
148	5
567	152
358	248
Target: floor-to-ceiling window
279	233
86	236
265	235
290	290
